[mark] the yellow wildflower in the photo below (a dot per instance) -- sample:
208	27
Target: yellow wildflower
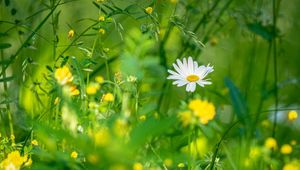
186	118
28	162
286	149
292	115
74	91
34	142
102	137
149	10
63	75
102	31
101	18
270	143
108	97
138	166
74	154
203	110
99	79
291	166
71	33
13	161
92	89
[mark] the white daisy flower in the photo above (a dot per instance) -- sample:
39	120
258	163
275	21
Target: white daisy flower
189	73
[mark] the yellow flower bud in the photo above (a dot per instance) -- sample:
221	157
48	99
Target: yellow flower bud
63	75
149	10
34	142
101	18
71	33
74	91
286	149
108	97
92	89
99	79
138	166
102	31
292	115
74	154
271	143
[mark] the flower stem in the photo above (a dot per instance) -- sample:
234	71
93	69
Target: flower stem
10	121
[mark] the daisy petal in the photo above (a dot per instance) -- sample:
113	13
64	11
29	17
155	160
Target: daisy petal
192	86
181	66
184	63
174	77
206	82
173	72
178	69
195	66
190	65
200	84
187	87
200	71
180	83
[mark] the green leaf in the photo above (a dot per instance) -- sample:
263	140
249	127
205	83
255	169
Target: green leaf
3	34
4	62
265	32
4	45
238	102
6	101
149	128
6	79
7	2
49	68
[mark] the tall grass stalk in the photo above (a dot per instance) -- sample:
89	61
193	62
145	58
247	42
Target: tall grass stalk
10	121
14	56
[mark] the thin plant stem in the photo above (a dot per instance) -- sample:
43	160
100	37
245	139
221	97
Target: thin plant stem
54	30
13	57
157	155
190	149
275	68
262	98
10	121
219	143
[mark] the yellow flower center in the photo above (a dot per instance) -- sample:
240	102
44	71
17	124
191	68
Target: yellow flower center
192	78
